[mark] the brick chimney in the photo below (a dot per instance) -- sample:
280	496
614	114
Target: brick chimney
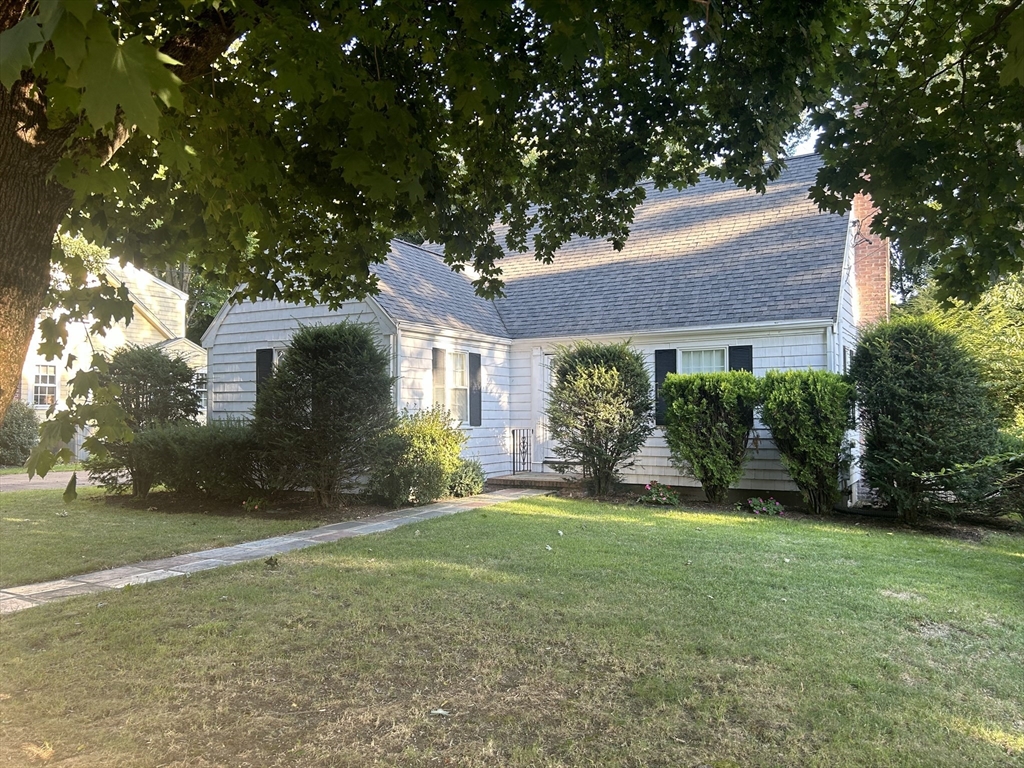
870	265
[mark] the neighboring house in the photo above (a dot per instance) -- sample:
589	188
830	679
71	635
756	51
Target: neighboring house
158	320
712	277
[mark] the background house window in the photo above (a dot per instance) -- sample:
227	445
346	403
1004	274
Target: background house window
45	388
701	360
201	388
458	389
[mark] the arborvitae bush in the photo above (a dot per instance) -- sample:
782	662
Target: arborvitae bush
924	409
600	410
18	434
322	413
418	458
709	417
808	413
155	390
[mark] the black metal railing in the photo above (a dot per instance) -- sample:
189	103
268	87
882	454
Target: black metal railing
522	450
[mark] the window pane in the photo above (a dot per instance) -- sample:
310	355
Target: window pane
460	405
701	360
458	360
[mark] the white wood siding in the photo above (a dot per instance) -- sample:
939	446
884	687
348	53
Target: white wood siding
489	442
246	327
781	349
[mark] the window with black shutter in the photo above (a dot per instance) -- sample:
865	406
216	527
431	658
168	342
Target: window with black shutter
475	391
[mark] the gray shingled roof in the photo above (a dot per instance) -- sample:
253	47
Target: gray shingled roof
713	254
417	286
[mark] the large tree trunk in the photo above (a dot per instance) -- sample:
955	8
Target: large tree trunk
31	209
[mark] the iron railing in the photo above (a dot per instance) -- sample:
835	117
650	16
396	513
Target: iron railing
522	450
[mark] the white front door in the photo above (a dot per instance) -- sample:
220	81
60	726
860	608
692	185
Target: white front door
545	445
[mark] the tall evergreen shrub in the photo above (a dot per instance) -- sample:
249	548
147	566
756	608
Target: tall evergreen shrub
808	413
600	409
18	433
924	409
321	414
708	421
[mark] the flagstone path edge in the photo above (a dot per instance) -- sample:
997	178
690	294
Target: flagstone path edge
13	599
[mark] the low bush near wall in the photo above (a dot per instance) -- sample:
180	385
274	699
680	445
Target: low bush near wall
418	458
708	418
808	413
467	479
220	460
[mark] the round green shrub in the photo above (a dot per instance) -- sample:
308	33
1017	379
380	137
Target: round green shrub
808	413
924	409
417	459
708	418
600	410
18	434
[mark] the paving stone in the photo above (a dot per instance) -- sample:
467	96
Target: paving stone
29	595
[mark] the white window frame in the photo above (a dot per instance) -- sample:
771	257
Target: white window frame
444	391
52	384
702	349
203	390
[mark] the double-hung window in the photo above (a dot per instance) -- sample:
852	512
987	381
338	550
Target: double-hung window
44	391
456	377
705	360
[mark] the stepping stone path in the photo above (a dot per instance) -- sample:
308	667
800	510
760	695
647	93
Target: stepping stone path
30	595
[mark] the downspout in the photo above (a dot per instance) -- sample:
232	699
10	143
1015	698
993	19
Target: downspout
398	366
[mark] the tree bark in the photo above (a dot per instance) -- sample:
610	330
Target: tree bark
32	205
31	208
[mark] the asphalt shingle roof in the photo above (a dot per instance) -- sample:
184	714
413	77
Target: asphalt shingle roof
417	286
712	254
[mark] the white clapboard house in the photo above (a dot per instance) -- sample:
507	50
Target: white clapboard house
712	278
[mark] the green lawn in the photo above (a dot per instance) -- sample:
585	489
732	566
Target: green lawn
642	637
41	538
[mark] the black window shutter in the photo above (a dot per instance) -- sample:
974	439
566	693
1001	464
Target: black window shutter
741	358
664	364
264	366
475	400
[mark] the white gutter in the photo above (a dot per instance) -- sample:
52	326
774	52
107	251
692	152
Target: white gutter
721	330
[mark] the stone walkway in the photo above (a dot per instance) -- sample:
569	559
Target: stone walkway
30	595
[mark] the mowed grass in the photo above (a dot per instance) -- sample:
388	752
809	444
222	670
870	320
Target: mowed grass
42	538
642	637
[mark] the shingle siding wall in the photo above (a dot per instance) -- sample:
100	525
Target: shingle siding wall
781	350
487	443
260	325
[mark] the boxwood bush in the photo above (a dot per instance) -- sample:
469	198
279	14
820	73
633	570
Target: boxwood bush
708	421
808	413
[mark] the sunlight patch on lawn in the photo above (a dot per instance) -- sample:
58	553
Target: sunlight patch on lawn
413	565
1011	742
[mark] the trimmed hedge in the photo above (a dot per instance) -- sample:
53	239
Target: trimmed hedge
708	421
467	479
808	413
